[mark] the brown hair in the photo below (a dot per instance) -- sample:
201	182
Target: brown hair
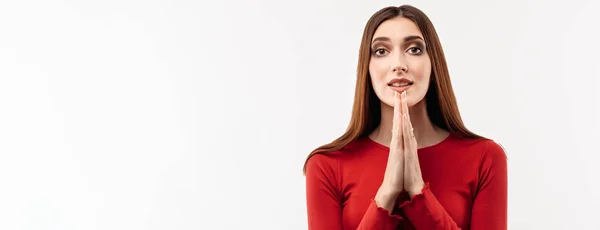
366	112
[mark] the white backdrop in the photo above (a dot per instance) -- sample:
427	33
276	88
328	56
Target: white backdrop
199	115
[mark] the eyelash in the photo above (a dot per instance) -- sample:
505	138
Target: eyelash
414	47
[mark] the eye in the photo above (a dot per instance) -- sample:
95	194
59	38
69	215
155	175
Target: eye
380	52
415	50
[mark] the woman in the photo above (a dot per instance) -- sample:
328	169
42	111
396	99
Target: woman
406	160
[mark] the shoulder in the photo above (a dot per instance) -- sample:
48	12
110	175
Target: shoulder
492	150
323	168
491	154
330	161
487	156
322	160
479	146
486	151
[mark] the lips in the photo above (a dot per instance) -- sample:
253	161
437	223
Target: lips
400	84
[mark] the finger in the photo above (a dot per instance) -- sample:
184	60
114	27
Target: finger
406	126
397	109
411	131
397	120
412	134
405	104
408	123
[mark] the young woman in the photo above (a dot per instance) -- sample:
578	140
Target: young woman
406	161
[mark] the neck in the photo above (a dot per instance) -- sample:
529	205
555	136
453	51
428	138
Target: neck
425	131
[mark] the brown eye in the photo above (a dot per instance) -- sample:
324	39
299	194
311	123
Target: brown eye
380	52
415	50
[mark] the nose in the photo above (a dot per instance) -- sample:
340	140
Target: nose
399	68
399	64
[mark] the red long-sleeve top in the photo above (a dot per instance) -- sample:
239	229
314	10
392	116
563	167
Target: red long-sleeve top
466	188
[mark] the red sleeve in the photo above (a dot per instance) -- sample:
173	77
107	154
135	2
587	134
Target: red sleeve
489	209
324	202
490	205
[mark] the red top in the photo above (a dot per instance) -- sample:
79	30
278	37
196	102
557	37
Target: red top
466	188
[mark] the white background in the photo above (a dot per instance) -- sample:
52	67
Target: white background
199	115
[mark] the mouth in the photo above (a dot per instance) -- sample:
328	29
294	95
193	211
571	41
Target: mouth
400	84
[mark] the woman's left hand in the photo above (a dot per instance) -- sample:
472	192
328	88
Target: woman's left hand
413	180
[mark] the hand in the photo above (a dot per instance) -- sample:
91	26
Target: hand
393	179
394	172
413	180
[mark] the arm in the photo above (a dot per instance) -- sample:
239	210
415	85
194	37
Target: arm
489	209
490	205
424	211
324	201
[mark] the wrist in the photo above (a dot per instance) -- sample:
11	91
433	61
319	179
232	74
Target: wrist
386	197
415	190
389	190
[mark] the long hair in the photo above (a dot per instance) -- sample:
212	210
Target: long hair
366	111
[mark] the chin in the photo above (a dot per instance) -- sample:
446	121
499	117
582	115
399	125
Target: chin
410	96
390	101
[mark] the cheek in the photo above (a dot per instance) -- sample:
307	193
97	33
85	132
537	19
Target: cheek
419	69
377	73
377	70
421	72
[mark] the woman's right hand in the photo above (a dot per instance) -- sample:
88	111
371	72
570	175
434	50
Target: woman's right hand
393	179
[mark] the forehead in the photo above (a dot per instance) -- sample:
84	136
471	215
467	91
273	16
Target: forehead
397	28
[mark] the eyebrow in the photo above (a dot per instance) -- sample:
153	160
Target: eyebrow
406	39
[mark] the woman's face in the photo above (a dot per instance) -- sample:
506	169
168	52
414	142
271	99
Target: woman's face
399	56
